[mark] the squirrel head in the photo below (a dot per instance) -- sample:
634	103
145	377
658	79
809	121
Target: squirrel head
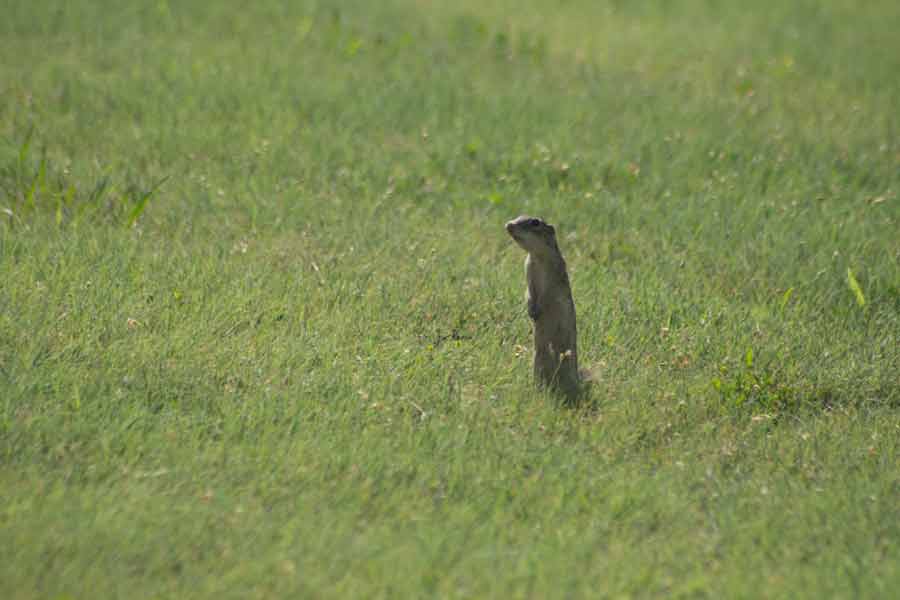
535	236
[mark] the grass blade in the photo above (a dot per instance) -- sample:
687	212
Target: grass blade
856	288
142	203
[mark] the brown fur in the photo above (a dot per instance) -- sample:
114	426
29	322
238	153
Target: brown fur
550	306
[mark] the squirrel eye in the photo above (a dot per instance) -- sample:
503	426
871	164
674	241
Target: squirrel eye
534	222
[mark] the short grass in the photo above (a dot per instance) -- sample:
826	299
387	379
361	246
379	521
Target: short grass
262	333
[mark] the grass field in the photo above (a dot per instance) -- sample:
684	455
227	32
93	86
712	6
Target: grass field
262	334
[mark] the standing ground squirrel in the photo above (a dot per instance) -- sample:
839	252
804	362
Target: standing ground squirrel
550	306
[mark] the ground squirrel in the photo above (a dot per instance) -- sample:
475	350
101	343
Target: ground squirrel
550	306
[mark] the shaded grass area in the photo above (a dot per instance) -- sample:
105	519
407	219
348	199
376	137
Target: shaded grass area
261	332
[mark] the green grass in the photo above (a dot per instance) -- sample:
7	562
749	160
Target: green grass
262	333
